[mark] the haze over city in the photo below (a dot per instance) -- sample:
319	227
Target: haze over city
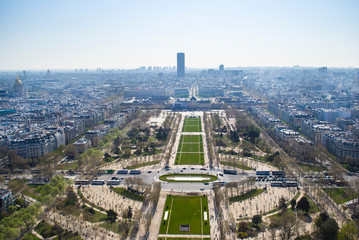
130	34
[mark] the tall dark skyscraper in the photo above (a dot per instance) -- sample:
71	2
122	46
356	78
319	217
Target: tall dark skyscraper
221	68
180	65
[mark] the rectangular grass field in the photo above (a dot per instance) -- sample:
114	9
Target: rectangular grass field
191	138
192	125
190	159
190	150
185	210
190	147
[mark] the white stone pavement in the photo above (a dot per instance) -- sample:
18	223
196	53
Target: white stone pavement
264	202
104	197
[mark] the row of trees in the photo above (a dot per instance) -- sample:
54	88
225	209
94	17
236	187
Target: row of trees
13	226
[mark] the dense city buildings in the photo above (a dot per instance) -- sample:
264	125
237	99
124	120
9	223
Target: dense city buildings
187	120
102	128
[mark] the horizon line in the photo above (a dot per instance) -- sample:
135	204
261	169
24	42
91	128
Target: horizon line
172	67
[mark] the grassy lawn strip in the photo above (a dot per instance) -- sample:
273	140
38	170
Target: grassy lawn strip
190	158
116	227
191	128
185	210
341	195
190	138
247	195
190	147
67	166
236	165
313	207
94	217
143	164
192	125
127	194
311	167
165	177
261	158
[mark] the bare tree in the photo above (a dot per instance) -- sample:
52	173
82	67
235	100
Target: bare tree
287	225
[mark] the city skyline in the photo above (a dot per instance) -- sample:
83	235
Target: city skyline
126	35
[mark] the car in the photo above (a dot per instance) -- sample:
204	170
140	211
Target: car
114	178
192	168
206	183
184	168
181	171
202	189
149	171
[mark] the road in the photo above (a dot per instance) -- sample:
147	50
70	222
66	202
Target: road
153	175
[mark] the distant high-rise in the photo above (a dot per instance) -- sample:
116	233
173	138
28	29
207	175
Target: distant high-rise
221	68
323	72
180	65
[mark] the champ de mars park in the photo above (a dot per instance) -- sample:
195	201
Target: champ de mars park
187	175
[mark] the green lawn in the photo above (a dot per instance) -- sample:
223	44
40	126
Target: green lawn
192	121
191	138
341	195
190	147
311	167
191	128
190	150
127	194
113	227
67	166
93	217
134	166
247	195
313	207
190	158
192	125
185	210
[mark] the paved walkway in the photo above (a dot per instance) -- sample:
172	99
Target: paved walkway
156	220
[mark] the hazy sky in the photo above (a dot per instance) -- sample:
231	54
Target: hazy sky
71	34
